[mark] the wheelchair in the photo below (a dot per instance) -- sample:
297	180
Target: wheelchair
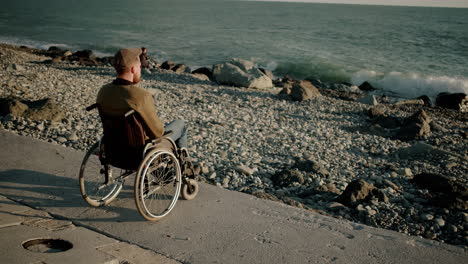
122	151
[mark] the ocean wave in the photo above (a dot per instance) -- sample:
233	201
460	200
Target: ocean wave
32	43
404	84
411	84
46	45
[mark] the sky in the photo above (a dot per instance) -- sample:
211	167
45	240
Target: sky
438	3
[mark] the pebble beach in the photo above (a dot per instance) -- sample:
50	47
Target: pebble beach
304	154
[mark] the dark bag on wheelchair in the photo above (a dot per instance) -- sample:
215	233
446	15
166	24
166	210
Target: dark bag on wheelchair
124	140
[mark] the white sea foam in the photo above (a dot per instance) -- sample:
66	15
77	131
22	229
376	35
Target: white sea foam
32	43
411	84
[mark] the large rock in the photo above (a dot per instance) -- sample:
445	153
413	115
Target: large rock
379	117
287	177
201	77
421	150
266	196
446	192
309	165
426	99
181	68
344	87
267	73
369	99
84	54
410	102
241	73
204	71
44	109
359	191
457	101
366	86
317	83
168	65
376	112
416	126
303	90
287	87
12	106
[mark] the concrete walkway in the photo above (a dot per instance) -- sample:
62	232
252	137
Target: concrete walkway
219	226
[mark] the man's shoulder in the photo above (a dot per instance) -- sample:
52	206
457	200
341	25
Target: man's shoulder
107	86
133	88
138	91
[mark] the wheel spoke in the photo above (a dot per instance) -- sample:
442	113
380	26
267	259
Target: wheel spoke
162	177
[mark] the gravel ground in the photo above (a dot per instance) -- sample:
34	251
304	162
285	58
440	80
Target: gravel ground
242	137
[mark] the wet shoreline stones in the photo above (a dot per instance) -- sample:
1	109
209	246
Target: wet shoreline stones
242	137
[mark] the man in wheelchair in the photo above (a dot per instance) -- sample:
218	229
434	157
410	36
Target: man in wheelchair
122	95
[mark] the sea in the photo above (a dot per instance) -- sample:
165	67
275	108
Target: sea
409	51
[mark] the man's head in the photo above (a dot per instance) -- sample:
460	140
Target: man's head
127	64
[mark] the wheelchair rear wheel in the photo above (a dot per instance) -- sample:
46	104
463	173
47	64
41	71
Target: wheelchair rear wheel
157	184
95	191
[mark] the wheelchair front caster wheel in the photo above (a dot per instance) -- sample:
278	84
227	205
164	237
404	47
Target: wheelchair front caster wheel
189	189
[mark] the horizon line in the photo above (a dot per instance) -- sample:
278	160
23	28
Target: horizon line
338	2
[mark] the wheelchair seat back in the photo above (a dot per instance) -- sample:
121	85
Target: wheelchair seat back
124	140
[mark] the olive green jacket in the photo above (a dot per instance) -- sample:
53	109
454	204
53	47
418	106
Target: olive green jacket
117	99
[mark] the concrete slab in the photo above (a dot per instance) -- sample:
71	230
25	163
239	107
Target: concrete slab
7	205
219	226
84	249
135	255
8	219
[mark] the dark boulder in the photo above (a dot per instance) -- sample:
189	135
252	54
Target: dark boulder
426	100
83	54
54	49
359	191
88	61
105	60
168	65
44	109
58	59
381	122
287	177
286	91
12	106
309	165
366	86
266	196
303	90
205	71
415	126
344	87
446	192
181	68
457	101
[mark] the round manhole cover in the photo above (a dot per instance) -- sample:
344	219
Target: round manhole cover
47	245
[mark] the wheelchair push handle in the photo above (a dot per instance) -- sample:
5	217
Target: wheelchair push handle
91	107
129	113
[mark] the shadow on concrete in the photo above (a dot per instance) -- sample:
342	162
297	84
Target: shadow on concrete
46	191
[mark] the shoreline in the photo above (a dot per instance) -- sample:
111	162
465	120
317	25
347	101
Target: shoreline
396	83
243	137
